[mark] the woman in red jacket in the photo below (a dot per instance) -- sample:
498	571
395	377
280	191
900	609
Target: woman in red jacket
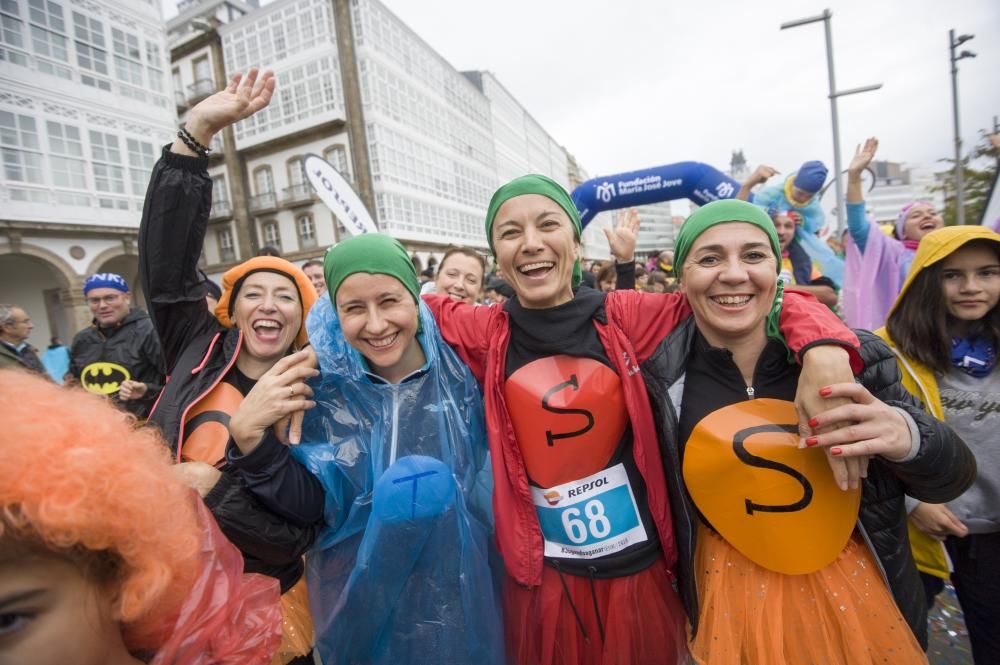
583	518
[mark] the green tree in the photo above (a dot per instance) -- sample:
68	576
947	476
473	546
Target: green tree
979	169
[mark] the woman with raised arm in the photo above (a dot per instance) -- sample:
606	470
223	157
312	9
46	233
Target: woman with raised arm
788	568
238	368
944	330
877	264
585	516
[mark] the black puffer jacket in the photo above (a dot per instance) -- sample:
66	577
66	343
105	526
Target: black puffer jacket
132	345
199	351
943	468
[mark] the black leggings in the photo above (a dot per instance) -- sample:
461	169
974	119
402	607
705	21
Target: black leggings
977	582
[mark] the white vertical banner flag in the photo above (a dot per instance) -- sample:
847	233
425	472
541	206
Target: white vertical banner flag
338	195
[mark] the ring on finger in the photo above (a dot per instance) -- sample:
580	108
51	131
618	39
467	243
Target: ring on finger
291	392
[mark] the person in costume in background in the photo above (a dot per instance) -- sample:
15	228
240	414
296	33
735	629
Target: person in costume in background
773	584
944	329
118	354
91	572
797	269
798	192
244	360
394	460
877	264
799	195
581	504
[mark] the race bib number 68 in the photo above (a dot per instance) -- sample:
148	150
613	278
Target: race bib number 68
590	517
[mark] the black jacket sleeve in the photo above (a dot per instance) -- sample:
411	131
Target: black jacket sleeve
280	483
625	276
944	467
171	237
154	373
252	528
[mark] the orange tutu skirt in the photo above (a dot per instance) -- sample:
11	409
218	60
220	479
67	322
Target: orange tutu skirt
641	614
842	614
296	624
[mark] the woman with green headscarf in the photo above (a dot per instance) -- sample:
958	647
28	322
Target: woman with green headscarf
582	506
787	566
390	461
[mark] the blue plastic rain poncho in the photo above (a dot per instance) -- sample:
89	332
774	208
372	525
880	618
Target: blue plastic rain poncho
775	199
401	572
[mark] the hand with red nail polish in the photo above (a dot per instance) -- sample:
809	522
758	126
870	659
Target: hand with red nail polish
863	427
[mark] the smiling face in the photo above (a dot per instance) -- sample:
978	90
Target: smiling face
379	318
970	280
51	613
536	249
460	277
785	226
730	279
109	306
920	220
269	312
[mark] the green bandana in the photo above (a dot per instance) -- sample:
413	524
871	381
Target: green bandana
536	184
724	212
373	253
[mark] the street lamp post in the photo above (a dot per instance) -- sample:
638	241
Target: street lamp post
953	44
834	94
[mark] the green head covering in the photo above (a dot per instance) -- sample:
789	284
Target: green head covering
536	184
373	253
724	212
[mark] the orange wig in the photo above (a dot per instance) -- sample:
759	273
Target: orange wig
76	475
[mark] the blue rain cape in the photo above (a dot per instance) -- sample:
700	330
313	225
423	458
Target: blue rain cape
773	198
401	573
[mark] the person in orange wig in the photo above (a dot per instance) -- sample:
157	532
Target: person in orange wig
92	571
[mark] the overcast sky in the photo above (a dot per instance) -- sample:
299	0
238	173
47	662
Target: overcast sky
631	84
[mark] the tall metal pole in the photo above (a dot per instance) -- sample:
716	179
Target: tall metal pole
836	124
959	194
825	17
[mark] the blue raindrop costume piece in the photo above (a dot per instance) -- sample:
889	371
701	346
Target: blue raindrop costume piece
401	573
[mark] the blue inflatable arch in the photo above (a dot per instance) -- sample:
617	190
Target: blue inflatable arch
696	181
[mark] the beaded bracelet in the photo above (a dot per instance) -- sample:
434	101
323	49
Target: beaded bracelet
192	143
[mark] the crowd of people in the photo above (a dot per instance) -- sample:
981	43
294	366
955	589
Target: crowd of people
691	458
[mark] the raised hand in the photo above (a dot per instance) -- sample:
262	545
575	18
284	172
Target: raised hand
863	156
244	96
760	175
622	239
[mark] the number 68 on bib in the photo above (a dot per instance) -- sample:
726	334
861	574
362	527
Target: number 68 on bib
590	517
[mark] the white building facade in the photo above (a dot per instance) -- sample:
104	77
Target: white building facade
86	102
890	194
437	142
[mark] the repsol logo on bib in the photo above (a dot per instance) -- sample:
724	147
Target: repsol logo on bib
586	487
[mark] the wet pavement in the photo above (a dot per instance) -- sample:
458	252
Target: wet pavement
949	640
